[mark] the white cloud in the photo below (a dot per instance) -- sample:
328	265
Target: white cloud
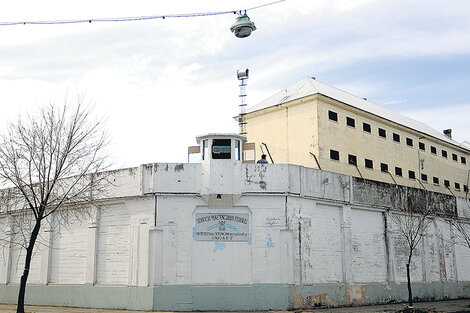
162	82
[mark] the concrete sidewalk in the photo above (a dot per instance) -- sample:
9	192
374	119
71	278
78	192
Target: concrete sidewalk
451	306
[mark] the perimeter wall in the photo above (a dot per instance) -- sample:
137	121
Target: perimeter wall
315	238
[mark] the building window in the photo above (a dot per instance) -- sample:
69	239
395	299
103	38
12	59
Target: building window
424	177
444	154
352	159
446	183
382	133
221	149
204	149
465	188
369	163
435	180
384	167
398	171
463	160
454	157
457	186
433	150
422	146
411	175
350	122
333	116
366	127
396	137
237	150
334	155
409	142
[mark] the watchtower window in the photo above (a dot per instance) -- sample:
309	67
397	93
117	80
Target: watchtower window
237	150
204	149
221	149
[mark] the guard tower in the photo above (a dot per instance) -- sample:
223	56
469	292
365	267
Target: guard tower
221	161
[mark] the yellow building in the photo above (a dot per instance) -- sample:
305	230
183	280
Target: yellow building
316	125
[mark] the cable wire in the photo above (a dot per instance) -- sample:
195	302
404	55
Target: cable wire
133	18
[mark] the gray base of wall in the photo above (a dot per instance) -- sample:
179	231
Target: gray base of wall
231	298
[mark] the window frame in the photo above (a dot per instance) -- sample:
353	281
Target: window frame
398	171
332	113
409	142
382	130
352	156
348	119
332	152
384	166
424	177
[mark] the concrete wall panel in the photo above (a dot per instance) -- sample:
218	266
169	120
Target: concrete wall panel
113	245
369	260
68	252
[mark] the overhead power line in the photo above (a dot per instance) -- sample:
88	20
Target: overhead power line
133	18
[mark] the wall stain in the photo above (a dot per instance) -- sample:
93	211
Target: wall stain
354	295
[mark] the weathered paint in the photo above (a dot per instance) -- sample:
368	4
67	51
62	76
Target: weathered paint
298	130
316	238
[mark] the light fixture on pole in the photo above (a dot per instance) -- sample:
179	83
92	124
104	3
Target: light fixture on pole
242	77
243	26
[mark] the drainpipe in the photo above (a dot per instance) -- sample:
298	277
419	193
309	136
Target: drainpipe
468	175
268	152
392	178
358	171
316	160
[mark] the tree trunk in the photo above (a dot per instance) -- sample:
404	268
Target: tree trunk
27	264
410	295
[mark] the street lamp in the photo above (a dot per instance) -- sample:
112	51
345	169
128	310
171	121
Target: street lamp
243	26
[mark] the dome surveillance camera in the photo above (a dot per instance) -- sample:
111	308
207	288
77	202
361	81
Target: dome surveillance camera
243	26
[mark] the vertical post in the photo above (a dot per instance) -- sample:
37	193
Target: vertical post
144	255
46	251
454	255
5	277
346	243
92	242
389	245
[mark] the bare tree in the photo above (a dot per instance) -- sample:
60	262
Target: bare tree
48	162
412	221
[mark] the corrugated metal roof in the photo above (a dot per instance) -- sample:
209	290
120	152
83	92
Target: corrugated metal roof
309	86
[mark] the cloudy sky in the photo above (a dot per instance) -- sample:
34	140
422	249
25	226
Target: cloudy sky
162	82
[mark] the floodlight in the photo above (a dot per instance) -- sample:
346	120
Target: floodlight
243	74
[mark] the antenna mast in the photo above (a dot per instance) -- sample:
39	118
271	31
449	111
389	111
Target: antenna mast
242	77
